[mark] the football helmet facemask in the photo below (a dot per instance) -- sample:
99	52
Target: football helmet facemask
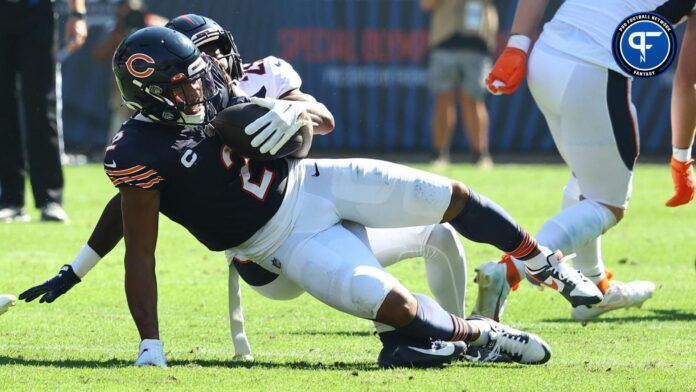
164	76
212	39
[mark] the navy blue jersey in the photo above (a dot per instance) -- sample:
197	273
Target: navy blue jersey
218	195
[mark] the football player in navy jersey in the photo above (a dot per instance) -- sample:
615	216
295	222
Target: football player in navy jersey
156	163
272	77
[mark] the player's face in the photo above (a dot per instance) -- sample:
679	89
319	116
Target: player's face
189	94
217	55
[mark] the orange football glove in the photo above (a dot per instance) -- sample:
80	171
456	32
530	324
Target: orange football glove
684	182
508	72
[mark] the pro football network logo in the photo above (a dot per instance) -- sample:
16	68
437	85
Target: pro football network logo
644	44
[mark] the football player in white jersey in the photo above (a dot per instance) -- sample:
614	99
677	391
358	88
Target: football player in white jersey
585	97
274	78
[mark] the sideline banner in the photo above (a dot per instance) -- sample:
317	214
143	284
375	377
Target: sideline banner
365	59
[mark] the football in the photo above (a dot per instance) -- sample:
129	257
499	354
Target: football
230	123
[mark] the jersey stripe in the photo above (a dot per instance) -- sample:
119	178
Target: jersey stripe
150	183
138	177
125	171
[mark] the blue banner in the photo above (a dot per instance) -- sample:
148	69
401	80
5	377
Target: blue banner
365	59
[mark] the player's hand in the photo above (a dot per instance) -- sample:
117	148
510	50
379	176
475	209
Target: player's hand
277	126
684	182
510	68
54	287
75	33
151	353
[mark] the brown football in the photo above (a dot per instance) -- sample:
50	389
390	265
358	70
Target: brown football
230	123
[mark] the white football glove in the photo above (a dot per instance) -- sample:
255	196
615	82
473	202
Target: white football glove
279	124
151	353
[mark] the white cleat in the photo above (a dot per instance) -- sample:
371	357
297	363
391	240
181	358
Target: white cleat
493	289
560	276
507	344
619	296
6	302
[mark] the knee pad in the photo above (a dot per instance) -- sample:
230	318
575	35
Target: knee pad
367	287
443	238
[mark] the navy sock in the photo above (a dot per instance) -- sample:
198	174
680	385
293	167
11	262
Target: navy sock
434	322
482	220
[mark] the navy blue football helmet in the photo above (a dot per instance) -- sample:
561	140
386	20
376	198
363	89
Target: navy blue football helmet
164	76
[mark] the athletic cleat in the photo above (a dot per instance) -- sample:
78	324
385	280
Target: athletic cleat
10	214
560	276
506	344
619	295
493	289
398	352
53	212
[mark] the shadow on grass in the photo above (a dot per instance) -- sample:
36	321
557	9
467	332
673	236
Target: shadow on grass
116	363
657	315
335	333
367	366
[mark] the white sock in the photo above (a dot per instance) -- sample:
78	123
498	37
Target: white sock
588	258
445	266
575	226
589	262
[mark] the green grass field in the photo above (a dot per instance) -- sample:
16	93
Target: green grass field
87	340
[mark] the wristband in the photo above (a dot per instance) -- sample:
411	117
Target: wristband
681	154
519	41
85	261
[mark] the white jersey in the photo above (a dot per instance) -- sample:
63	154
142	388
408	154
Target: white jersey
584	28
269	77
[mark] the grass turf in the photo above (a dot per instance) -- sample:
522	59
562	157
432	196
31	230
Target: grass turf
87	341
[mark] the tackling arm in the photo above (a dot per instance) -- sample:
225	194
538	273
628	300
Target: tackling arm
320	116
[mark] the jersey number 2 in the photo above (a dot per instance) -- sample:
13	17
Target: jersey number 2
259	189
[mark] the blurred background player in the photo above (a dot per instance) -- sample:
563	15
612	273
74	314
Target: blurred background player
586	100
131	15
28	43
462	37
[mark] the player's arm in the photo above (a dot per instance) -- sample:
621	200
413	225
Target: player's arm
320	115
510	68
683	114
140	210
106	234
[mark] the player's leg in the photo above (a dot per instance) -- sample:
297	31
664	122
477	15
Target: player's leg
383	194
442	82
472	97
600	150
335	267
438	245
38	68
11	150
